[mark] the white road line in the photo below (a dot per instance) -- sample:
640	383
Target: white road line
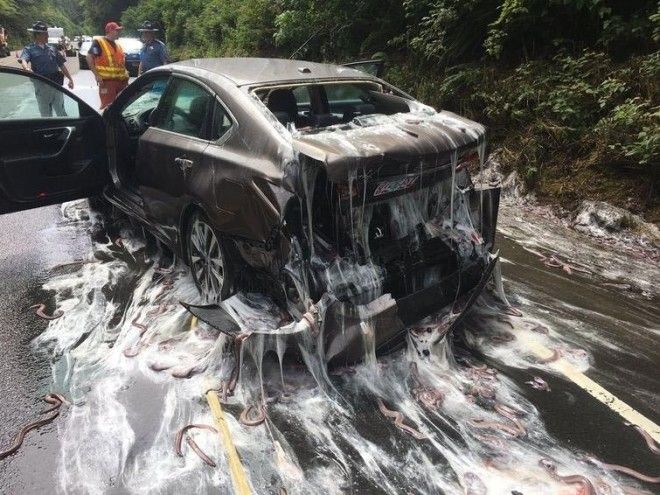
591	387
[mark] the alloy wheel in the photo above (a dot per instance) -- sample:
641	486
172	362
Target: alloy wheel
207	260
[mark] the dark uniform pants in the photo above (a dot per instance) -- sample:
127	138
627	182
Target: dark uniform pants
49	99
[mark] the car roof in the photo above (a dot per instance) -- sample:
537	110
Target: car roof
245	71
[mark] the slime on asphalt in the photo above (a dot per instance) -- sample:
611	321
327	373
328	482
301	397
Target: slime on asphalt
94	349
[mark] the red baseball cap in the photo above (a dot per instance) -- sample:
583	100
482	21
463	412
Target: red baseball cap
112	26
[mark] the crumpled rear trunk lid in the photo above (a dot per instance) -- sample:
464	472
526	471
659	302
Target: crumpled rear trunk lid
386	145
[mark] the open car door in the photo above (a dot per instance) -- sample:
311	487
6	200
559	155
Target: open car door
371	67
52	144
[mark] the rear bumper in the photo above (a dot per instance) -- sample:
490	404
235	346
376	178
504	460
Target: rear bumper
389	317
344	324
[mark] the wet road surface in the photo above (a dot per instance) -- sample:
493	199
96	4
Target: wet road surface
618	329
32	243
117	436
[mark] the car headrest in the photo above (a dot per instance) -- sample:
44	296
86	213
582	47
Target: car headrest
283	100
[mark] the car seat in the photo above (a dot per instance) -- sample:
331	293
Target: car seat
283	100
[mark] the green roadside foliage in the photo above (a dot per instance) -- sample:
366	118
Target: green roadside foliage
17	15
568	88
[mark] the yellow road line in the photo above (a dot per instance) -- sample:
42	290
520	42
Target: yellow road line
238	476
591	387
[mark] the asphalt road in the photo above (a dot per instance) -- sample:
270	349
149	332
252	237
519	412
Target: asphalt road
35	241
623	358
30	245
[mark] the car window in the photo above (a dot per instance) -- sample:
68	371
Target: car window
339	94
221	121
23	97
184	109
146	98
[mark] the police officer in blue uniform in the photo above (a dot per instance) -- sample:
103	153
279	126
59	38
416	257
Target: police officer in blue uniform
154	52
43	59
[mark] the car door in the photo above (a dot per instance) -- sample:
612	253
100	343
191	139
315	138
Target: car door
52	144
170	150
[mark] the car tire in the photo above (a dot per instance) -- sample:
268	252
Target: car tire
208	259
83	63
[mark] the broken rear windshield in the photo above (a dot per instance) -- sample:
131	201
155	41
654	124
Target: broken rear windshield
314	106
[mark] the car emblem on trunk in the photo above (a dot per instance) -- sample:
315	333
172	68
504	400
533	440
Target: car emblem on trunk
390	186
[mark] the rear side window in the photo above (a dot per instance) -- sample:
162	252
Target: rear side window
221	122
185	110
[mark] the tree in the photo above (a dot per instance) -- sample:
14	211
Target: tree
97	14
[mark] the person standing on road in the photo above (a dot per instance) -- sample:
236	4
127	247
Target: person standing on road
107	61
154	52
43	59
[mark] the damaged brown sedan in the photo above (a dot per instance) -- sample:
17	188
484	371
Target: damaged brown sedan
343	199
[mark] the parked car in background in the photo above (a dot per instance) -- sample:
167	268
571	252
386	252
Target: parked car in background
132	48
316	184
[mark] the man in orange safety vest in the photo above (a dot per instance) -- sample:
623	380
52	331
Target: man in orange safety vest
107	61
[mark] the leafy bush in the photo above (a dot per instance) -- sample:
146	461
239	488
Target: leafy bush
632	131
18	15
566	112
